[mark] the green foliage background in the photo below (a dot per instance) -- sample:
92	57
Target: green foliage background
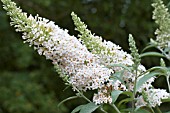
29	83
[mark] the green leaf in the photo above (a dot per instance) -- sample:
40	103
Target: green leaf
151	54
163	69
166	100
128	93
87	108
127	110
142	111
115	94
148	47
78	108
126	100
146	77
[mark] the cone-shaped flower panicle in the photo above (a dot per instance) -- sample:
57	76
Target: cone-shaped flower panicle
162	18
82	63
64	50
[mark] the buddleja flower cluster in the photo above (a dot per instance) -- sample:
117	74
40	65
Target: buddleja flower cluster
162	18
84	63
111	53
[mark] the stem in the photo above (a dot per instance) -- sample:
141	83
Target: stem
134	92
152	110
70	98
167	79
117	110
83	95
158	110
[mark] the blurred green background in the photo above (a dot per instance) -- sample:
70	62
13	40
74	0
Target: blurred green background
29	83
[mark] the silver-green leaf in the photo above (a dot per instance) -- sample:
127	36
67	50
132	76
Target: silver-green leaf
87	108
144	79
115	94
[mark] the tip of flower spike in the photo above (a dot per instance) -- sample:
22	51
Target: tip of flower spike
130	36
134	51
75	17
73	14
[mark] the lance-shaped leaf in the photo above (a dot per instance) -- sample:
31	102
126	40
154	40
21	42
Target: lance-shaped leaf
115	94
151	54
145	78
87	108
